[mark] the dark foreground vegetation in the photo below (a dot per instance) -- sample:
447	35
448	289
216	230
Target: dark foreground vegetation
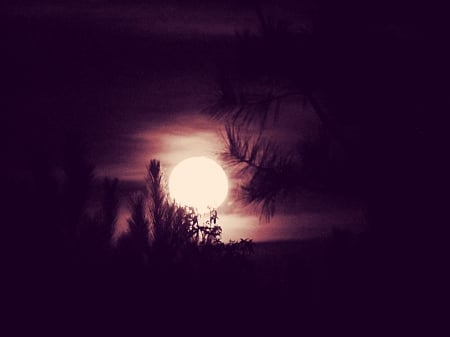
63	272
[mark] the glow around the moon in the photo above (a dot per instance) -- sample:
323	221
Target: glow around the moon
199	182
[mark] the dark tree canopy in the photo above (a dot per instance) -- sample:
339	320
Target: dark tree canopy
355	72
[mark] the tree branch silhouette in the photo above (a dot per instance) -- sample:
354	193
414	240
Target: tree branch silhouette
270	173
138	228
110	207
274	68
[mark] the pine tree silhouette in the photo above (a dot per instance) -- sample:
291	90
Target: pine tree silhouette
158	205
138	229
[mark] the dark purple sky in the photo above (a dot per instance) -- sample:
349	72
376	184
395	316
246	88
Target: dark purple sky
132	78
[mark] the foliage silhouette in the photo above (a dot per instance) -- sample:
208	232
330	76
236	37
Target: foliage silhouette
97	231
159	209
110	206
138	235
357	71
76	190
349	72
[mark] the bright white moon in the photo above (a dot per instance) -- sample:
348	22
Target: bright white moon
199	182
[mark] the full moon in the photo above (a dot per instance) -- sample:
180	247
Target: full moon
198	182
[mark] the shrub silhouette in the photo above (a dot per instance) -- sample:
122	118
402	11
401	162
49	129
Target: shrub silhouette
77	186
138	229
97	231
162	221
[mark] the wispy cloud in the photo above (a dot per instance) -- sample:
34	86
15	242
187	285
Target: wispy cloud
187	134
163	18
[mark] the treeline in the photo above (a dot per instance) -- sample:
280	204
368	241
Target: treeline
62	218
61	260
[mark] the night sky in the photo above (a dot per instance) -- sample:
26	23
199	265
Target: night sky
132	78
358	238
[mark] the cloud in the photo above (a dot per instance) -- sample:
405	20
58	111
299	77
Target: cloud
162	18
131	76
185	135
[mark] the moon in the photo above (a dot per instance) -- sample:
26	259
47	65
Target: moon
199	182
